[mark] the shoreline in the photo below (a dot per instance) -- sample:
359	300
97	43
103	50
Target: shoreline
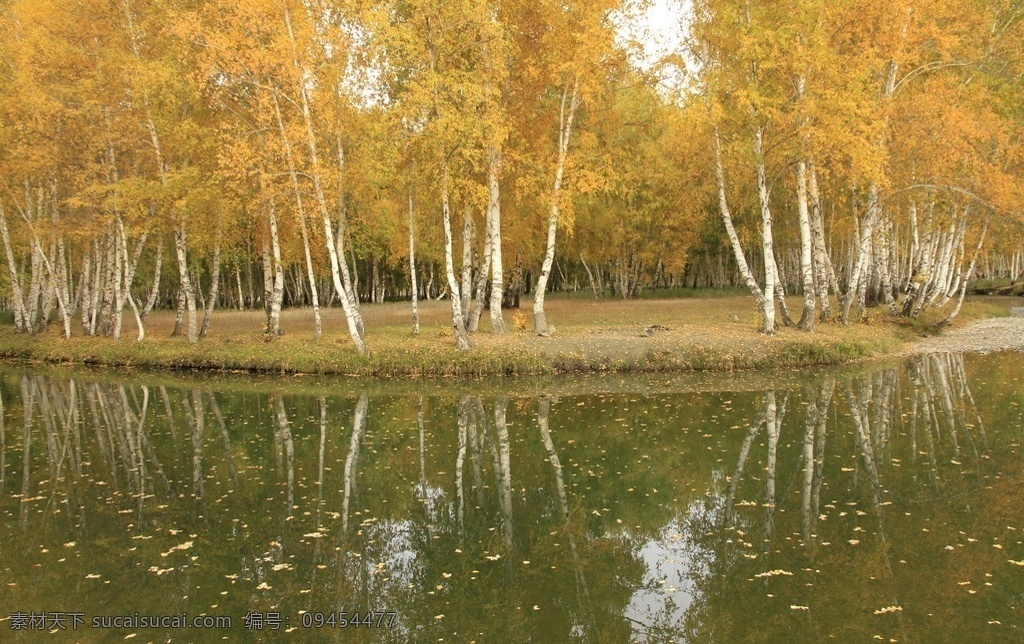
677	344
986	335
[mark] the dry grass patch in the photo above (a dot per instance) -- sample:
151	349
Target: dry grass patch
717	333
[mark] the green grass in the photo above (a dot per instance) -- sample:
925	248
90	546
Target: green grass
798	355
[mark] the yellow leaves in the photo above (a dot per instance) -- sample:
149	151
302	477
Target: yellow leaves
182	546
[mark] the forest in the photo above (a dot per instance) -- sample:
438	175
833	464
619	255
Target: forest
191	155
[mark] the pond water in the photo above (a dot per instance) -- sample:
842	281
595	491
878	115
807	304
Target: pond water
875	503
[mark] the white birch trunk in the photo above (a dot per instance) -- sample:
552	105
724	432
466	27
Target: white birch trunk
863	250
34	287
85	289
20	317
734	240
768	325
494	220
268	282
347	278
238	287
211	301
565	119
314	296
62	303
97	273
458	324
301	214
915	246
854	287
467	262
807	317
481	280
184	280
155	291
412	270
352	314
129	270
277	286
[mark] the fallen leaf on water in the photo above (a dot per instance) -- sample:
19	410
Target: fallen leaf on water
180	546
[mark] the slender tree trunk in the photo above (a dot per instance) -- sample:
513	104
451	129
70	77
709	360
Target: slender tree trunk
129	271
85	283
34	288
301	214
350	280
155	291
96	291
277	292
481	282
21	324
412	269
734	240
62	302
966	279
871	218
806	260
863	249
352	314
458	324
885	252
238	286
590	276
768	304
467	262
117	281
268	284
185	281
311	276
780	295
211	302
825	276
567	112
497	272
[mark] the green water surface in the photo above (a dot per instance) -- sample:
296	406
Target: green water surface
881	503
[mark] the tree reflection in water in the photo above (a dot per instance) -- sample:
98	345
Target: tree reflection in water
653	513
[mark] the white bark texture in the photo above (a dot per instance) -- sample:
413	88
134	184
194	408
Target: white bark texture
458	322
494	220
352	315
734	240
768	325
20	318
806	259
566	115
412	270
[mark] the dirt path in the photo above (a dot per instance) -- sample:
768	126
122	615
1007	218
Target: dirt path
981	336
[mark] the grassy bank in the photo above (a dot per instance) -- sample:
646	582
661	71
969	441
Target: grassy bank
691	334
